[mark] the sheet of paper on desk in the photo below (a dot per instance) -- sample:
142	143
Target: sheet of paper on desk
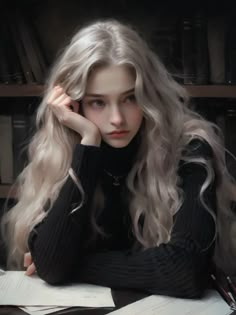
18	289
37	310
211	304
40	310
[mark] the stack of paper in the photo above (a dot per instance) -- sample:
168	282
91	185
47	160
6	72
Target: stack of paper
20	290
41	310
211	304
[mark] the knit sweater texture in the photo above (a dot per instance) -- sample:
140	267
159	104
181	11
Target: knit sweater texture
65	249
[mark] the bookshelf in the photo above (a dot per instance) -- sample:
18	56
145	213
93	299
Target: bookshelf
28	90
4	191
20	90
167	31
198	91
222	91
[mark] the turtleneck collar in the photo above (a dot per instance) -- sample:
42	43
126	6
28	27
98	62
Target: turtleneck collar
119	161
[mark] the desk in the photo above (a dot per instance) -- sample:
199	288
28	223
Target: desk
121	298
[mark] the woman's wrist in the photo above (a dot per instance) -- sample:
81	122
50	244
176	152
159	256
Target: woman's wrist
93	140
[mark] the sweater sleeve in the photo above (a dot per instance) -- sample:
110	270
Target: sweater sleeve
178	268
56	242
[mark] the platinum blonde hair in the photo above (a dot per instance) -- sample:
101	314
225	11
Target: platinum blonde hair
169	126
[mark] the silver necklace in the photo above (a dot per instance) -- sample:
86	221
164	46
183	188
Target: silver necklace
116	179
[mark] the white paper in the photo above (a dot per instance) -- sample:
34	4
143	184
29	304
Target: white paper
18	289
37	310
211	304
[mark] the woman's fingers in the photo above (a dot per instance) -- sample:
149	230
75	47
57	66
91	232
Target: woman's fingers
28	263
75	106
27	259
61	103
56	92
67	112
30	270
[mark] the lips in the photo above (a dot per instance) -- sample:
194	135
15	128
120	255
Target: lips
118	132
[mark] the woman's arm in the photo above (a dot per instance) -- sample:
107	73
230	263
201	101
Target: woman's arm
179	268
56	242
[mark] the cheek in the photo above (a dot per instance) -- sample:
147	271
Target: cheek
93	117
88	114
137	117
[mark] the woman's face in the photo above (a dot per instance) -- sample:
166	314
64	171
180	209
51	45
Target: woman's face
109	102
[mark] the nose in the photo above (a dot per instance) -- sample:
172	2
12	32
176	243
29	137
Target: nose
116	116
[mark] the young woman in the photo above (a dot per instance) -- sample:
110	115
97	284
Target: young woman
126	186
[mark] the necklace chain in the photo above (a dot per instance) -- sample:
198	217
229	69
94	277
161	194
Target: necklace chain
116	178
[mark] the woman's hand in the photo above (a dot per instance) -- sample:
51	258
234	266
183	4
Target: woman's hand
28	263
67	112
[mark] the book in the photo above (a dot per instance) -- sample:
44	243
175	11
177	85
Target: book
201	49
6	152
165	41
14	31
13	73
20	135
216	31
188	51
30	47
230	140
230	51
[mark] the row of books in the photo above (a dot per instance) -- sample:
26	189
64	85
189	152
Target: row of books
15	132
17	129
209	49
197	48
22	60
222	112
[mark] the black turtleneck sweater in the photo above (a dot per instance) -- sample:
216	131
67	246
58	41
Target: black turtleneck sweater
63	247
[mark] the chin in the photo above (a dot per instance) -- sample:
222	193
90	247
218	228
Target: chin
118	143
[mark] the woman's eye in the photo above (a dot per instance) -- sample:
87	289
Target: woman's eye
131	98
96	103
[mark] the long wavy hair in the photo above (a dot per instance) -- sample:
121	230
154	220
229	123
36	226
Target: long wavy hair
169	126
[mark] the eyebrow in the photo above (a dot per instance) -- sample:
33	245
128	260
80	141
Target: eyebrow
100	95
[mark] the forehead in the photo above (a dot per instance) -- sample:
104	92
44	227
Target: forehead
110	79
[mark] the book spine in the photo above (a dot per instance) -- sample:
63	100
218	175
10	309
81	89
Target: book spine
6	152
165	42
9	58
201	50
20	125
231	52
230	140
28	76
216	29
188	54
30	50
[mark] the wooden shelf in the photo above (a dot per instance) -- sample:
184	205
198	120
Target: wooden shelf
27	90
223	91
24	90
4	190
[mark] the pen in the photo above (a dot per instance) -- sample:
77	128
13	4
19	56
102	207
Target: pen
232	286
223	293
231	296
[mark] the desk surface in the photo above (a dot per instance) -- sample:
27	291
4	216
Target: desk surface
121	298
